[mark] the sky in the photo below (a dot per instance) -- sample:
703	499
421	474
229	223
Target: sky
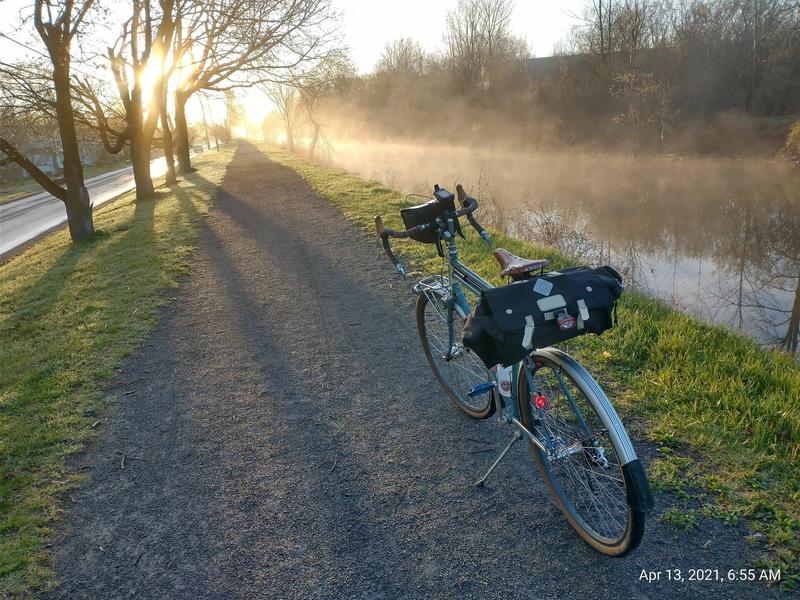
368	25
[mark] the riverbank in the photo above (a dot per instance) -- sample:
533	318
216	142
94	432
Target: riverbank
716	238
723	413
69	315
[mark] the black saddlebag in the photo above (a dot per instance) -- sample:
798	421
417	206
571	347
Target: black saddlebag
511	321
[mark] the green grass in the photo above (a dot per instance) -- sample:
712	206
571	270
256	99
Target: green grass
14	191
685	520
69	315
718	404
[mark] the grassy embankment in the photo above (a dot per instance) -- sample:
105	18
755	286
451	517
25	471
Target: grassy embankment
69	314
723	413
13	191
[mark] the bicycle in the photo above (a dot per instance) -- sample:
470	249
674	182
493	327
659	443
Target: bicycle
579	444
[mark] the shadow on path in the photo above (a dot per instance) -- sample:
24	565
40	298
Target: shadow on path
287	440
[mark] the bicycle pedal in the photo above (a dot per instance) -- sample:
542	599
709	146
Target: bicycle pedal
481	388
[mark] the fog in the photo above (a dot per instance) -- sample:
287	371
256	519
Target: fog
717	238
646	142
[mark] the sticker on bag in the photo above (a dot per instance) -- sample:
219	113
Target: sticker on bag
551	303
543	287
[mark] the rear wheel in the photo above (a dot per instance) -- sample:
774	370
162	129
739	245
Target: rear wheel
459	370
583	468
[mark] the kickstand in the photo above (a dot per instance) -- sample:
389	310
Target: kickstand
517	436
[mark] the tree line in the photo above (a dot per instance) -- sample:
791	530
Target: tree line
133	93
645	73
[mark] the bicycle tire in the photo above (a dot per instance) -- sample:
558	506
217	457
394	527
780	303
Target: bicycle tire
620	484
471	369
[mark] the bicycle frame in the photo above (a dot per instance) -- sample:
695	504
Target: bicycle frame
461	277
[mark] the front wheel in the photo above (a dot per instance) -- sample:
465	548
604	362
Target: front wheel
590	467
457	369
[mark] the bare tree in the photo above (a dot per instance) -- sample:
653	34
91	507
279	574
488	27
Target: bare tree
601	15
402	57
27	113
299	97
479	41
57	24
316	85
286	97
141	50
225	44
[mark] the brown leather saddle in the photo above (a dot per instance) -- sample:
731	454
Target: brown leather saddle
512	265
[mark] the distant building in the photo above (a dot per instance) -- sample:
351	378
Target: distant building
549	67
49	160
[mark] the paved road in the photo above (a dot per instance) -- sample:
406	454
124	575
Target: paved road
24	219
284	438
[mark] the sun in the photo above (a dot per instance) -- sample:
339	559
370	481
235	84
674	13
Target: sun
150	75
256	106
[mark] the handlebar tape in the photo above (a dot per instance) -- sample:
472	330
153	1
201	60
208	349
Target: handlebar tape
465	200
383	234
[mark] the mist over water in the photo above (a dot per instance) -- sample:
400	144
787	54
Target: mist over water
717	238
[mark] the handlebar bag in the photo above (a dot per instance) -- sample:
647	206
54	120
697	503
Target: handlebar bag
511	321
427	213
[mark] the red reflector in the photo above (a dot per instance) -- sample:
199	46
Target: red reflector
539	401
566	322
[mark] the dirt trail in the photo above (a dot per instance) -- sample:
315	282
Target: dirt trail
284	438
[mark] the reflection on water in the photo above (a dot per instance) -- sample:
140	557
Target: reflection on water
717	238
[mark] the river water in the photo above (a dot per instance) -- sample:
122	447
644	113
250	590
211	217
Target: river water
716	238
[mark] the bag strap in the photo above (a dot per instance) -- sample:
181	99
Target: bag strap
583	309
527	338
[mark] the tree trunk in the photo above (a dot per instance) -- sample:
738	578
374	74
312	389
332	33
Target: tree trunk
140	161
79	213
182	130
168	155
140	149
315	139
289	127
792	339
602	39
78	204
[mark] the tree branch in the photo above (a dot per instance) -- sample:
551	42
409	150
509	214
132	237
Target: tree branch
50	186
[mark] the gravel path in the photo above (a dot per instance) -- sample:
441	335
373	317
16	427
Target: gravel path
280	436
